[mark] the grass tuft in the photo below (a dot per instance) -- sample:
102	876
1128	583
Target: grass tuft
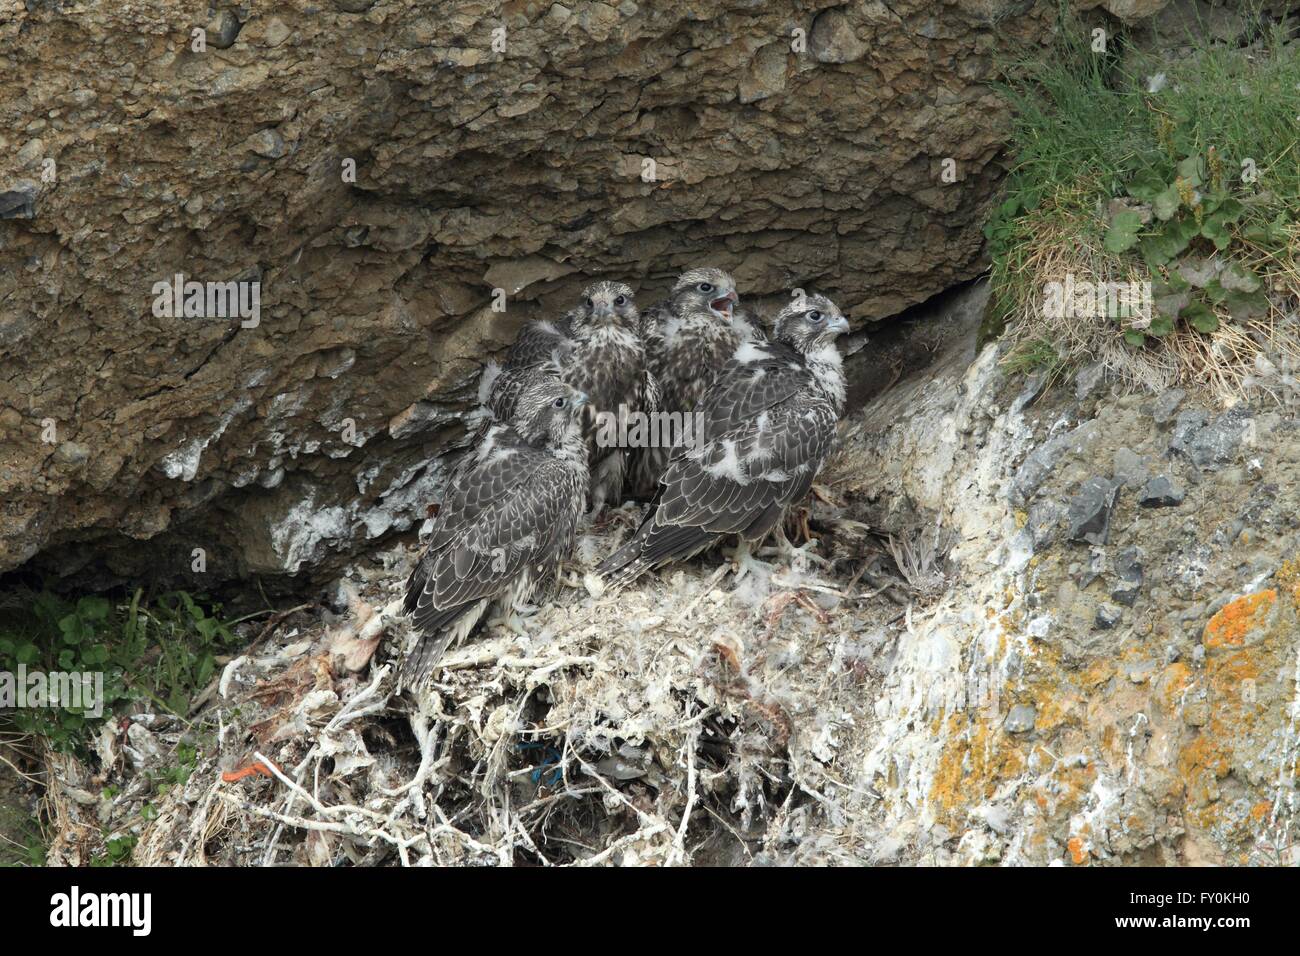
1181	174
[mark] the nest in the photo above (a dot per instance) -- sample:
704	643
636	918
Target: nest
689	719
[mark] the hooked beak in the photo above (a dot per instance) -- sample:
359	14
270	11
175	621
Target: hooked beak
580	399
724	305
604	311
838	325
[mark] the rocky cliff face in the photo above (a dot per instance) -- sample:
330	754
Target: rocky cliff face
379	169
1111	673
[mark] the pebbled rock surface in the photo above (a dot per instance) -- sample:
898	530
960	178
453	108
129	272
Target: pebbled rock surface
495	146
1123	699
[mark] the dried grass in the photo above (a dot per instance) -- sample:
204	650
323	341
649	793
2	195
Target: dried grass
1257	357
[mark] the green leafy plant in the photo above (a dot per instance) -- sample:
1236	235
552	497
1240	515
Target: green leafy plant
117	852
163	650
1127	164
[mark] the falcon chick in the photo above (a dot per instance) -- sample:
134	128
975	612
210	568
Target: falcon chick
506	522
540	352
608	363
769	422
688	339
691	335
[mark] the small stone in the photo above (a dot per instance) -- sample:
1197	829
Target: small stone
1166	405
1034	385
222	30
267	142
1108	615
1096	565
1128	565
276	32
1211	445
1196	713
1090	511
766	74
832	39
1129	467
34	150
1161	492
1139	671
1088	380
1044	523
1021	719
1040	463
194	206
72	453
18	201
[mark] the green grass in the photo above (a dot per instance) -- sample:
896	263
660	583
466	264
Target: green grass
1087	129
162	650
30	852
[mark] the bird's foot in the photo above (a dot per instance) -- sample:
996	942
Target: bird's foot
743	561
514	622
798	558
571	578
599	516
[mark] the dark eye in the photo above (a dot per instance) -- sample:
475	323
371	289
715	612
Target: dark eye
559	403
815	316
620	300
706	286
591	304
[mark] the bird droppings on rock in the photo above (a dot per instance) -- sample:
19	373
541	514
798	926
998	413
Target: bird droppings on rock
823	725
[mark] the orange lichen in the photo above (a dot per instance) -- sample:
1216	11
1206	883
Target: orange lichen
1078	852
1260	810
1236	619
1249	644
977	758
1098	673
1173	681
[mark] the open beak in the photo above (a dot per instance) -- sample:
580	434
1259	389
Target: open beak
724	305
